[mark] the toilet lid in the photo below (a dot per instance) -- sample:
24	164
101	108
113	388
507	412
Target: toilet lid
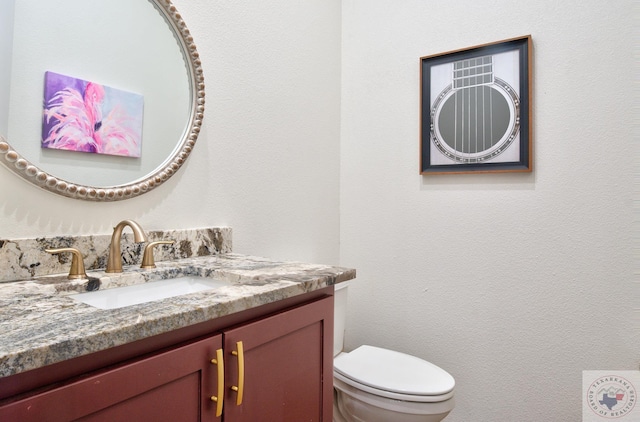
393	371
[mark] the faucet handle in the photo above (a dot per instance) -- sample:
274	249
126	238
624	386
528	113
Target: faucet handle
147	257
77	264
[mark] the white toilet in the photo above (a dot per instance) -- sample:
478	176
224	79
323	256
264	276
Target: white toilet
372	384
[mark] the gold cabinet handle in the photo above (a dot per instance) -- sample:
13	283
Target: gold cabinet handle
219	361
240	387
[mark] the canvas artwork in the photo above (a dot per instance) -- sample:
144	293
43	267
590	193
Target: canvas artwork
86	116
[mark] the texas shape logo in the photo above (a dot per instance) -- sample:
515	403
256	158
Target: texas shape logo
610	396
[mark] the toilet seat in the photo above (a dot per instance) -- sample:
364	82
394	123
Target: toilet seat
394	375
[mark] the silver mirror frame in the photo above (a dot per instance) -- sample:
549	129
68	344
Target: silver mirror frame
31	173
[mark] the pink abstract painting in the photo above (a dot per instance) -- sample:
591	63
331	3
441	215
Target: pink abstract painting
89	117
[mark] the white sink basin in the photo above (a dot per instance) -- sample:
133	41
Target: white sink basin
120	297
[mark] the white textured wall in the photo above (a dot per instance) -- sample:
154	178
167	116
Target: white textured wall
514	283
267	160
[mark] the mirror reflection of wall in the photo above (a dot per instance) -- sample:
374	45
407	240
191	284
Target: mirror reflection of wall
122	44
6	47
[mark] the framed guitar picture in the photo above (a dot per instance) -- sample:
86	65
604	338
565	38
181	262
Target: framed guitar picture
476	109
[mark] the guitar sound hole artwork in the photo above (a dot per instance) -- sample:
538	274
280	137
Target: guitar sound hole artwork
475	109
475	117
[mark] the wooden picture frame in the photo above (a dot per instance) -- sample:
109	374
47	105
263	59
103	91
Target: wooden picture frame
476	109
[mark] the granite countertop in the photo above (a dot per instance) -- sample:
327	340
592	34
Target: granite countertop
41	325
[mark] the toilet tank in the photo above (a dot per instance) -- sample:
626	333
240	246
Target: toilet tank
339	316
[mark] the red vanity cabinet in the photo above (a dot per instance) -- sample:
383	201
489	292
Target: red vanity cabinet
168	386
279	364
288	366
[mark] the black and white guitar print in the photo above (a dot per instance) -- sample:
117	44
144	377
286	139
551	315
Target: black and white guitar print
477	116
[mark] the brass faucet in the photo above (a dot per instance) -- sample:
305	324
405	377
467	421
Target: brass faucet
114	263
77	265
147	257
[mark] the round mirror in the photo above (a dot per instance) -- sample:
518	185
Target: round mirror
99	100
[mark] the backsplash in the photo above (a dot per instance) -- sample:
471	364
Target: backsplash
23	259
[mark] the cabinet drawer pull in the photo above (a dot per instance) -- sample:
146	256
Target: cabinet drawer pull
240	387
219	361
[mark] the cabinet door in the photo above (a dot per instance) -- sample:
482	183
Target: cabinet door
176	385
288	366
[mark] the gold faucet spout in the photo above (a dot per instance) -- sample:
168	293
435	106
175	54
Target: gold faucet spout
114	263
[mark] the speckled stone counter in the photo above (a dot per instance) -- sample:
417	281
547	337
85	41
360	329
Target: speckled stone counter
41	325
22	259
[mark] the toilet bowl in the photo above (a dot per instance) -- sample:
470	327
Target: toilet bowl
373	384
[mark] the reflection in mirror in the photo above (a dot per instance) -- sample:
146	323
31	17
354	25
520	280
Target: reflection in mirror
122	44
6	48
